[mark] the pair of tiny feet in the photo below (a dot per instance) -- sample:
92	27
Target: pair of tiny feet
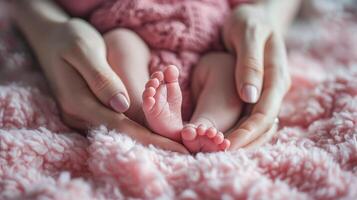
162	100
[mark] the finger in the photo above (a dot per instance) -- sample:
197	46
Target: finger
267	109
92	64
250	65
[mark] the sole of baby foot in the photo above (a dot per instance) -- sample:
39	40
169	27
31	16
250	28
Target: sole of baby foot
162	100
202	139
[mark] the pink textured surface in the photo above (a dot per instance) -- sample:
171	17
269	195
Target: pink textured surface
313	156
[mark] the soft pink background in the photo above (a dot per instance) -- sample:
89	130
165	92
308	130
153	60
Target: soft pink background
313	156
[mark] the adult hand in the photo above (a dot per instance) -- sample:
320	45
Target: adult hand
73	57
77	44
261	70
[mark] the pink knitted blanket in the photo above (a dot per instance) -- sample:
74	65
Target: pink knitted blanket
313	156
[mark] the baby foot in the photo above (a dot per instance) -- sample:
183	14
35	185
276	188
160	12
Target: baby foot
162	101
202	139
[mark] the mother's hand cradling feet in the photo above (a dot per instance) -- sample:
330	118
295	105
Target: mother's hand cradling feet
73	57
253	33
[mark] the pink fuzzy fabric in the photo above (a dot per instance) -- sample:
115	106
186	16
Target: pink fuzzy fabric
313	156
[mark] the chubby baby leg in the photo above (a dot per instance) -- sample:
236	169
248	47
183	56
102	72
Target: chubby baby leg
129	57
217	104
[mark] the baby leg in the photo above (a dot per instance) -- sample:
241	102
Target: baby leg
217	104
129	57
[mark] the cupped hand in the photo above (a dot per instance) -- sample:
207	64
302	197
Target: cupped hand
89	93
261	74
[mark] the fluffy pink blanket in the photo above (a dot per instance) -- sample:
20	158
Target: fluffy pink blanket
313	156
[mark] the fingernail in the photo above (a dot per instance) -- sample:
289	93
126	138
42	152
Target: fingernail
250	93
119	103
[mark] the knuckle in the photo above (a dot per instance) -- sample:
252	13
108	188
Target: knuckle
79	45
253	66
100	81
74	47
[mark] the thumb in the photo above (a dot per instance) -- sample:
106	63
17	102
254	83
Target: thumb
250	69
101	79
109	89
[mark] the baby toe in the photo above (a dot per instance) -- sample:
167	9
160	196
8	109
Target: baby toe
149	92
158	75
154	83
201	130
219	138
171	74
188	133
225	144
211	132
